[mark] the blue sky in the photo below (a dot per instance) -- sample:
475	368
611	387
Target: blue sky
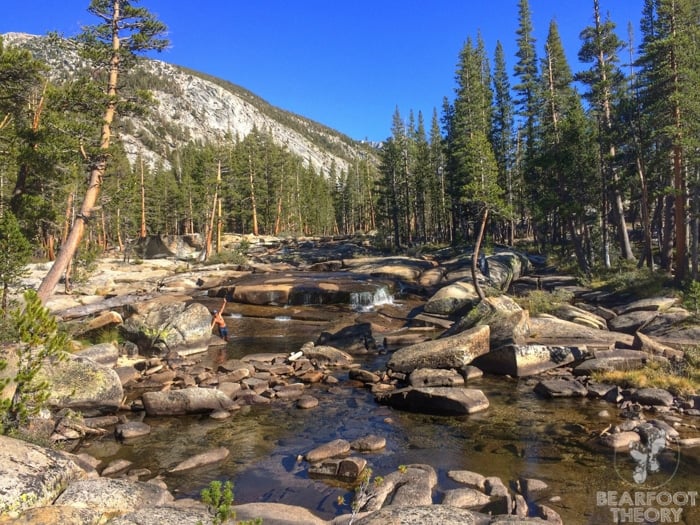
344	63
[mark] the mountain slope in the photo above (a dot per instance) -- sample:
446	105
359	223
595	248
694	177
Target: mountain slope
195	107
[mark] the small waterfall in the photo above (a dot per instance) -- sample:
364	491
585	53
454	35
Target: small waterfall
283	318
366	301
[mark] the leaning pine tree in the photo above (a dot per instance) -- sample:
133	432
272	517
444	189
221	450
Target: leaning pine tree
483	191
125	31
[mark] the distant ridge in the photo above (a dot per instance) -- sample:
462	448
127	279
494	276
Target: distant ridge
196	107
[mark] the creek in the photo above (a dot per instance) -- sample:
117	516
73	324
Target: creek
521	434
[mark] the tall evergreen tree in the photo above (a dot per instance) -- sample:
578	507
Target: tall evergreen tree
564	156
527	75
470	115
669	60
502	132
437	188
392	169
422	175
125	31
605	82
15	251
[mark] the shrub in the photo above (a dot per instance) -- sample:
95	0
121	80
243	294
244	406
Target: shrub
15	251
543	302
219	498
691	297
39	342
680	377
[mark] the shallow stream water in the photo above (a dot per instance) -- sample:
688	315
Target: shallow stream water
520	434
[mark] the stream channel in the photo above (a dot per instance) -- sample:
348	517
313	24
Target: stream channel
520	434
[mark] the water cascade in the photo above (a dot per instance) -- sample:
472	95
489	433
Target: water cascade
367	300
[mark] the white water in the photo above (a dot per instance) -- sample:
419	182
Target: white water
367	301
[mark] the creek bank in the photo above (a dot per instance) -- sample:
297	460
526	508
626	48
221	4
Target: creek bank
166	381
70	488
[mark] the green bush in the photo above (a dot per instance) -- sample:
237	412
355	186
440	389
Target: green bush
219	498
543	302
39	342
691	297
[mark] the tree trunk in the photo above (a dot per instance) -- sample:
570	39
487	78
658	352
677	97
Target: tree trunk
218	228
666	251
97	172
143	232
254	209
583	264
679	182
475	255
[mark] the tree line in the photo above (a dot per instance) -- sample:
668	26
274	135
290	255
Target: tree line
602	164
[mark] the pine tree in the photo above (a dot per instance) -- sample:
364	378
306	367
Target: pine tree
565	189
605	81
527	74
421	177
502	132
669	60
439	211
469	116
392	169
126	30
39	342
15	251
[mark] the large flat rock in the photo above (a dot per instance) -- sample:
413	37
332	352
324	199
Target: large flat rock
454	351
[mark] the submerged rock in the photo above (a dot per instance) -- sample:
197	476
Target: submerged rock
437	400
205	458
565	387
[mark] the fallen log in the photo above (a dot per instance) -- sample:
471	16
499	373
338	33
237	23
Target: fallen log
109	303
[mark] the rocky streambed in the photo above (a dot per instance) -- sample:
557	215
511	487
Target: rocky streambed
312	391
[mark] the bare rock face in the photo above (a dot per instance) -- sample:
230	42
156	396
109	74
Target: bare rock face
412	486
32	476
105	354
337	447
451	298
423	377
164	515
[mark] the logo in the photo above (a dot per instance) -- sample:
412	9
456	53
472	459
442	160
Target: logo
651	462
648	465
